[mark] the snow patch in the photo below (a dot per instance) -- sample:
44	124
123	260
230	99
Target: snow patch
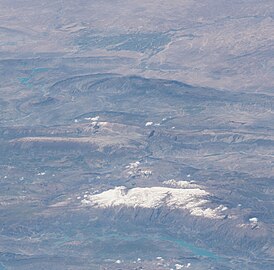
253	220
190	198
149	124
133	165
181	184
133	170
180	266
92	119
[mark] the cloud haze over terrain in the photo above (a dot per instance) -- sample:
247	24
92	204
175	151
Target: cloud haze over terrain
136	134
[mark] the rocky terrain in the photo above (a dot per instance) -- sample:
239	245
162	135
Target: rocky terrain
136	135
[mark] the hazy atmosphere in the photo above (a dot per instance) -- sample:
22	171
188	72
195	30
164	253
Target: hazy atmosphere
137	134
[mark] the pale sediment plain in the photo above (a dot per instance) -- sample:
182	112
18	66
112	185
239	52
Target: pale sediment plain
136	134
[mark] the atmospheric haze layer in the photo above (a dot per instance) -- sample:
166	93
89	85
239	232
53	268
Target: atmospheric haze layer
137	134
